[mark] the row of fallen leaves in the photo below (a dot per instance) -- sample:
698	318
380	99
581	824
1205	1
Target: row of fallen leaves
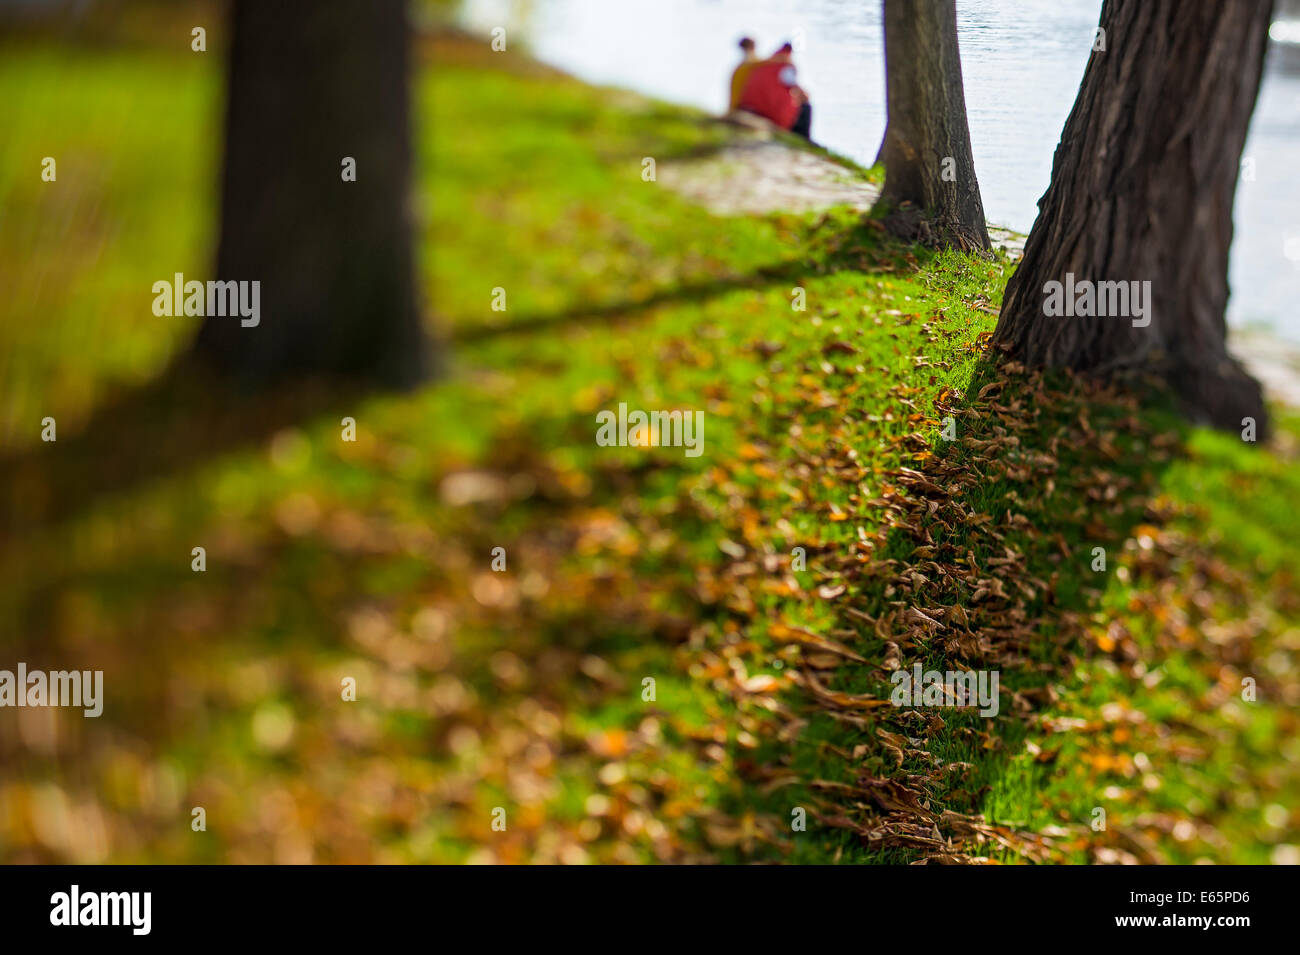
936	602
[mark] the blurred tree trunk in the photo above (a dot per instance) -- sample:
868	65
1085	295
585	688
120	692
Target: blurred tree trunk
1142	189
309	85
926	149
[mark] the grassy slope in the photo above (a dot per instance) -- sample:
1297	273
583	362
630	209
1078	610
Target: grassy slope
523	690
131	204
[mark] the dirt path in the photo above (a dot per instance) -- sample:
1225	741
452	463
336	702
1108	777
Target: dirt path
756	176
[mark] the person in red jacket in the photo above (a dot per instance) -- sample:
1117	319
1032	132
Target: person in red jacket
772	91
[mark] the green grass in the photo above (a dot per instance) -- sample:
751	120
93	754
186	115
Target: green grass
524	690
135	139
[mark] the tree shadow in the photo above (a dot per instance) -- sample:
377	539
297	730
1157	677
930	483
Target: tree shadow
167	426
863	246
686	293
990	561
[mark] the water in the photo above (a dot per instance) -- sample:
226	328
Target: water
1022	62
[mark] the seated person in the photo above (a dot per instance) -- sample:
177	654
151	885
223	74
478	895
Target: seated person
771	91
741	73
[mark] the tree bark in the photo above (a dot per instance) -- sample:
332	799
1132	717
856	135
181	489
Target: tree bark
926	149
310	84
1142	188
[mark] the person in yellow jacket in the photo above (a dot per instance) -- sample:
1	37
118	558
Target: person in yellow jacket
742	71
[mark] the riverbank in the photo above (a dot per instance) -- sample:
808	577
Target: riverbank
758	173
568	652
1274	362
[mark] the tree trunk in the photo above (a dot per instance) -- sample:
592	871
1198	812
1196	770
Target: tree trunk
926	149
1141	190
309	85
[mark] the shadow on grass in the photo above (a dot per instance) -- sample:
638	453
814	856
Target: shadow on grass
993	540
167	426
677	295
861	246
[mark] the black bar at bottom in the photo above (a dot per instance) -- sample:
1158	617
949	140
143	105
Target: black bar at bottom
332	904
